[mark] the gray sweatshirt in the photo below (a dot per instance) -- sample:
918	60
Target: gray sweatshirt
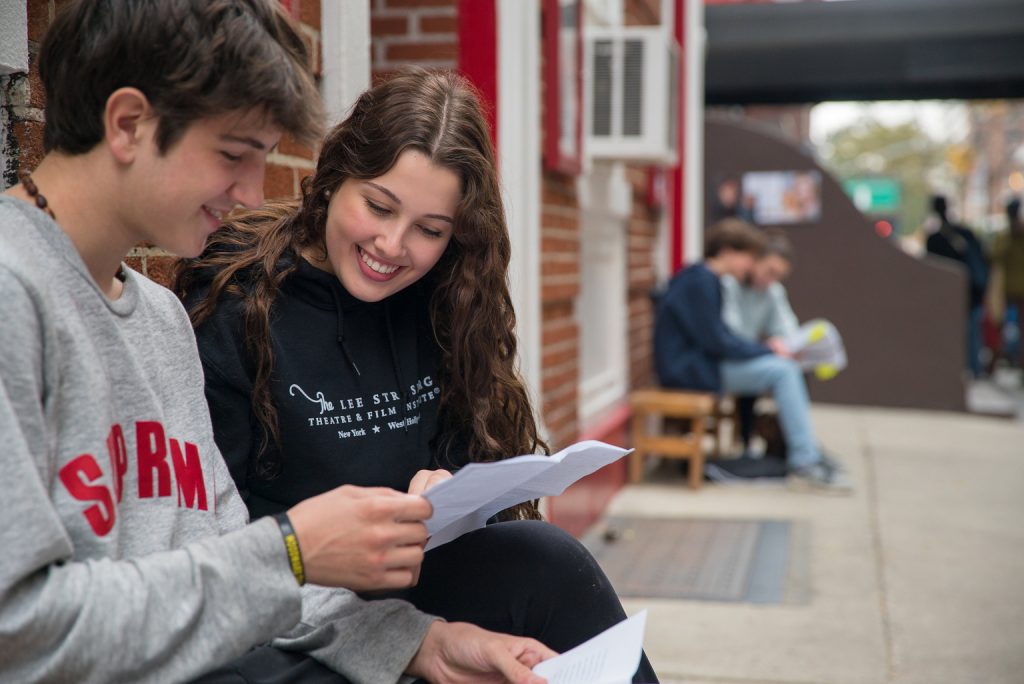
126	555
755	314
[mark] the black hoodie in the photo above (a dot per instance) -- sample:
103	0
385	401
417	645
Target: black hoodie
354	383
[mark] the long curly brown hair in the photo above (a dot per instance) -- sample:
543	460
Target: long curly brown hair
485	410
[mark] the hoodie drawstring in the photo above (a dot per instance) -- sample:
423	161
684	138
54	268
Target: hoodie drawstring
341	332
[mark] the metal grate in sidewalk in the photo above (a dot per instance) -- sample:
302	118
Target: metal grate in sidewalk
754	561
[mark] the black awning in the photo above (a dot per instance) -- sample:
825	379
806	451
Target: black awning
864	50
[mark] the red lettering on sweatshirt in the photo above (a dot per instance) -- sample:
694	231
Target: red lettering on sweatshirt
188	473
118	451
151	445
78	477
83	476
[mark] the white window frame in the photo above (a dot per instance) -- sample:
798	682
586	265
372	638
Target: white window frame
602	309
519	24
13	38
345	38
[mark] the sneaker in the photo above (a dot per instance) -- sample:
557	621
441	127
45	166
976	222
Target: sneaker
827	475
715	474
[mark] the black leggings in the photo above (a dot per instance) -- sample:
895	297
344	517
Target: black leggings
523	578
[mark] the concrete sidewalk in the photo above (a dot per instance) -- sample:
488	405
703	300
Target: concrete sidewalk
918	577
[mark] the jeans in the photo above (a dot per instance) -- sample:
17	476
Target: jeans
784	379
525	578
974	318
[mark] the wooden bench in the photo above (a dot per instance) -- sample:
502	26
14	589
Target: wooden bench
698	408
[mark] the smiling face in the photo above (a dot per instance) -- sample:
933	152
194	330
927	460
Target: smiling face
183	193
385	233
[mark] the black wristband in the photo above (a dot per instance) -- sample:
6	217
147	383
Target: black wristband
291	545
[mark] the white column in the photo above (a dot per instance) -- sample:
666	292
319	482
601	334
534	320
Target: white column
693	164
13	37
519	161
13	59
345	33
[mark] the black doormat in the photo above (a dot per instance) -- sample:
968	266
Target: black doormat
751	561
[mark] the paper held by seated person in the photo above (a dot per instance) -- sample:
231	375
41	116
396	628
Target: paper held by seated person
609	658
819	348
479	490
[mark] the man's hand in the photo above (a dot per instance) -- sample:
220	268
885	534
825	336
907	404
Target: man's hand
421	482
362	538
779	347
425	479
461	653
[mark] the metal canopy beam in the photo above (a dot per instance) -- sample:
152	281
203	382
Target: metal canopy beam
864	50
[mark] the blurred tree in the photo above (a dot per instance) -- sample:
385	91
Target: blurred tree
904	152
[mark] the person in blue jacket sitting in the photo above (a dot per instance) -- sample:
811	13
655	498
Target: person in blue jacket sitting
695	350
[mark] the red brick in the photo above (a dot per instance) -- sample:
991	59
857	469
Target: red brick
561	402
556	197
309	13
559	335
160	269
548	268
28	136
550	220
36	91
136	264
551	292
559	315
413	52
389	26
279	182
38	19
559	355
568	374
446	24
562	425
559	244
293	147
560	440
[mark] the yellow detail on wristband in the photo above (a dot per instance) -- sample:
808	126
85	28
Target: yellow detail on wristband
291	543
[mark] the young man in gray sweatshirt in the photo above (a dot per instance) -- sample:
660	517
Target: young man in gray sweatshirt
128	556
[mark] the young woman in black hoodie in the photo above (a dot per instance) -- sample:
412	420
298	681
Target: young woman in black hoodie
365	335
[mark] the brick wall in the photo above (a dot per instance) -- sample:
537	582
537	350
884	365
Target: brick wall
421	32
642	241
21	109
642	12
560	287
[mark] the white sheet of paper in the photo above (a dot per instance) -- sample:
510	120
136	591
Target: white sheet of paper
478	491
817	343
609	658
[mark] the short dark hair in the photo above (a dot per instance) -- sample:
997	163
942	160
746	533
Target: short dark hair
191	58
777	244
939	205
734	234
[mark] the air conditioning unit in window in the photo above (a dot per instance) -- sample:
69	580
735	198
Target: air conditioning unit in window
632	94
